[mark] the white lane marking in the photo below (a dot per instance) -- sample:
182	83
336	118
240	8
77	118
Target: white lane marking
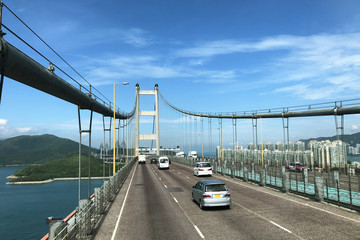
196	228
122	207
179	172
285	229
165	186
268	220
187	177
199	232
292	200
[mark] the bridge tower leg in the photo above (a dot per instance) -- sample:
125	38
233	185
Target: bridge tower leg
255	134
341	127
2	69
157	119
106	146
81	132
154	113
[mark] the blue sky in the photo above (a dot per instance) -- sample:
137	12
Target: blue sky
206	56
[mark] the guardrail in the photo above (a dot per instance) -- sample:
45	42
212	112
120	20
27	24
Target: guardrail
332	186
81	223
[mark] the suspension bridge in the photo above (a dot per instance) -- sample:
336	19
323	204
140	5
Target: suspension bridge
143	202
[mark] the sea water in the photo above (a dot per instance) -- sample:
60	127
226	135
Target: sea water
24	208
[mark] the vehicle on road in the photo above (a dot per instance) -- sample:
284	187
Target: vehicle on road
211	193
202	168
192	154
153	160
163	163
180	154
142	159
297	167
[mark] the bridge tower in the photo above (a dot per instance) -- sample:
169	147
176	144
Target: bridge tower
154	113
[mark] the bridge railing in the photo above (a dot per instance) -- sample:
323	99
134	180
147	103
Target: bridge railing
325	186
82	222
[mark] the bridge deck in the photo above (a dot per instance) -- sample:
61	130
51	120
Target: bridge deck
158	206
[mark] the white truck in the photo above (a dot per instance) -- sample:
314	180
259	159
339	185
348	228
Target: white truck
142	159
180	154
192	154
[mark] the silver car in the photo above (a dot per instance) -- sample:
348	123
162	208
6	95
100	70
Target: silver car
211	193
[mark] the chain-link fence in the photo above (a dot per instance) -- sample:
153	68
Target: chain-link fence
82	222
333	186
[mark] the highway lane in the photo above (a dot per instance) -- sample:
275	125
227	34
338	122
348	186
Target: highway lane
262	213
150	211
158	206
219	223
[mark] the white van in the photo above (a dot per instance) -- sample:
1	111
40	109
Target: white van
142	159
163	162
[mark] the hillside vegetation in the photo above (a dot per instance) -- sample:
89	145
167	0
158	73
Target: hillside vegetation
351	139
62	168
24	150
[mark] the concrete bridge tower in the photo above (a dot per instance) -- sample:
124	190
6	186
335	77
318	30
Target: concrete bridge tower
154	113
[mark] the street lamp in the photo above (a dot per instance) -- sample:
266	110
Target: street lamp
123	83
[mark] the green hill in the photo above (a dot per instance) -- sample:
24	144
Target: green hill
350	139
37	149
61	168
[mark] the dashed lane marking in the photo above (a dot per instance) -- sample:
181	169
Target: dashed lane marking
199	232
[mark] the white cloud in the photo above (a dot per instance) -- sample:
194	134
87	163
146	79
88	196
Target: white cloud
3	123
136	37
354	127
328	66
7	131
313	67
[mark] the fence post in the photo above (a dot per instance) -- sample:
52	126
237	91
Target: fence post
319	189
83	219
266	173
335	178
252	171
305	175
246	174
232	169
262	177
242	169
350	196
55	229
283	170
223	167
285	182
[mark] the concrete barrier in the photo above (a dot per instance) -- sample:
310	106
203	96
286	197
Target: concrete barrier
286	182
319	189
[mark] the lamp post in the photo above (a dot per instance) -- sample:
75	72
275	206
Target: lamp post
123	83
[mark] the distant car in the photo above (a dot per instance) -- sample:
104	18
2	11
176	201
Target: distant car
153	160
297	167
202	168
211	193
163	163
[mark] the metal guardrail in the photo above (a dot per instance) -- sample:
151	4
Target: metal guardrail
81	223
332	187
